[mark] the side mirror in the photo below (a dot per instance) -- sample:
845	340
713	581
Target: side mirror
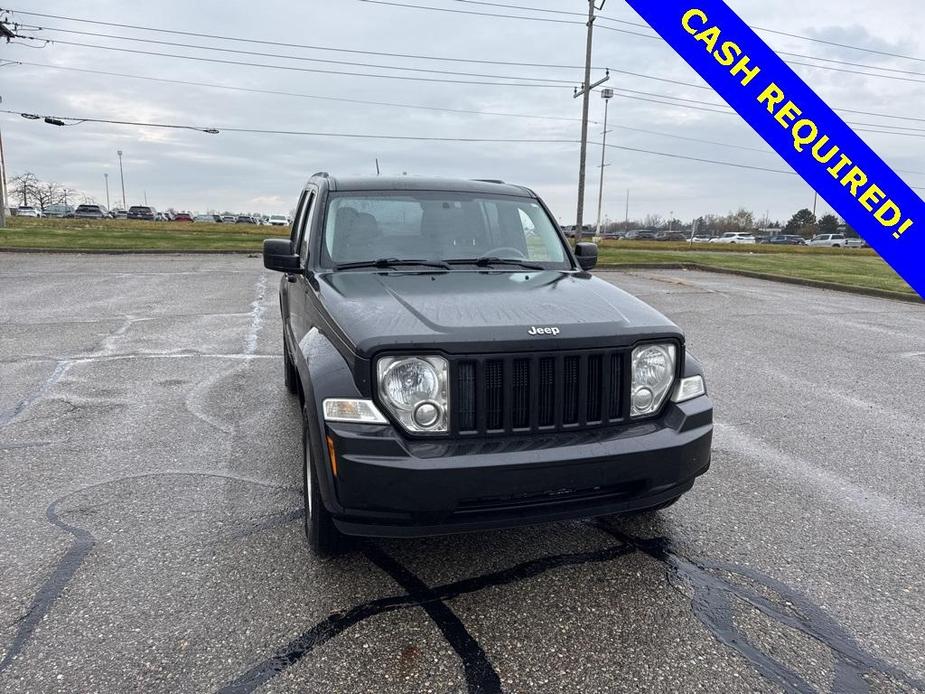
277	255
587	255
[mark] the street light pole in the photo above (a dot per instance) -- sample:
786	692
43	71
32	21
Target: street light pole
122	176
106	176
606	95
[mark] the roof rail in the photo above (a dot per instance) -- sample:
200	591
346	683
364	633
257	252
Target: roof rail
488	180
321	174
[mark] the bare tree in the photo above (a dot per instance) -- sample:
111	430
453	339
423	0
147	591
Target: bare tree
653	221
47	193
23	186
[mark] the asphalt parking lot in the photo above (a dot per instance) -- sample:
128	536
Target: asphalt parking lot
151	537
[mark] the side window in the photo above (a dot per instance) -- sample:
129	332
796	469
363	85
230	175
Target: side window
297	237
307	218
294	230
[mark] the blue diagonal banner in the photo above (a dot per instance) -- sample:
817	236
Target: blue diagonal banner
800	127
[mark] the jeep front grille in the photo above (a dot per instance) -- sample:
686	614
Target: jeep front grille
554	391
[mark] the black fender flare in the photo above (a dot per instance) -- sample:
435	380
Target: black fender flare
323	373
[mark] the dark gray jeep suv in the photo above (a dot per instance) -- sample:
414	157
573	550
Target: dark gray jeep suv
459	368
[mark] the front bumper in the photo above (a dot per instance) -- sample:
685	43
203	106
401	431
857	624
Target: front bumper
390	486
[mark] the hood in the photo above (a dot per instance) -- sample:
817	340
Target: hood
479	312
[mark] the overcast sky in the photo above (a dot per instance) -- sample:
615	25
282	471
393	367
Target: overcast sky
257	172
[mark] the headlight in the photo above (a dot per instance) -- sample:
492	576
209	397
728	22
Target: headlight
415	391
653	374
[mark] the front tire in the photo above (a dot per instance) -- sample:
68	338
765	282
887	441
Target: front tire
323	538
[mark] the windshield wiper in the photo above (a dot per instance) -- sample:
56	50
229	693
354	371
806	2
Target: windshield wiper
393	262
488	260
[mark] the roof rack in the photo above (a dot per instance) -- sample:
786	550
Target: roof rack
321	174
488	180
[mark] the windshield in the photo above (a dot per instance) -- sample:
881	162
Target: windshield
424	225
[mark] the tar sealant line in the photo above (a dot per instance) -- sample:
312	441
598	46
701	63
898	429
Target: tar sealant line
879	511
713	601
61	368
256	314
82	544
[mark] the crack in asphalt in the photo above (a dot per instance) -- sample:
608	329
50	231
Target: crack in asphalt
712	602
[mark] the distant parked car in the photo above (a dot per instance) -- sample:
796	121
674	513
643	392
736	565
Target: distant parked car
183	217
852	242
787	240
701	238
142	212
205	219
735	237
640	235
828	241
229	219
59	211
90	212
161	217
245	219
670	236
118	213
279	220
27	211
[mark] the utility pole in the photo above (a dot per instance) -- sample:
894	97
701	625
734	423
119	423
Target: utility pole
377	166
2	180
627	209
2	186
606	95
585	93
106	176
815	200
122	176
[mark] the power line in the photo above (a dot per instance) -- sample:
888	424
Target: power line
293	68
857	72
241	39
839	45
846	62
415	138
368	136
254	90
405	5
302	58
412	56
521	7
697	159
801	37
60	121
392	3
636	95
284	44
